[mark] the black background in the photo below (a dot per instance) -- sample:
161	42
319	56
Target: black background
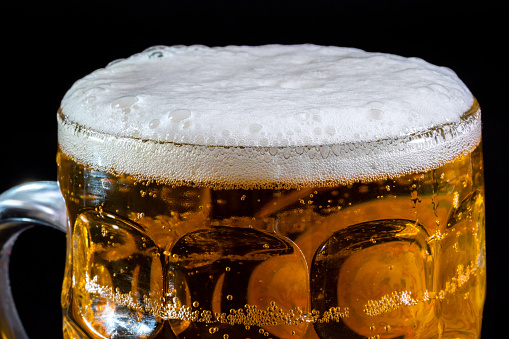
46	46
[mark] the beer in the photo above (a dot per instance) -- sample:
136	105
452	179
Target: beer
175	234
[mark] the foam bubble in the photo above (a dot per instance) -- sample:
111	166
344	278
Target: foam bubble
124	102
154	123
334	107
178	115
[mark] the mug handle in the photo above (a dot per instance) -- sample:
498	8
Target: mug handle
21	207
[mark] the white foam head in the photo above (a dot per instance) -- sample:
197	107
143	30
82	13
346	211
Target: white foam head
272	99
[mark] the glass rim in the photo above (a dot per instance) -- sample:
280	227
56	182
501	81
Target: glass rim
471	114
277	166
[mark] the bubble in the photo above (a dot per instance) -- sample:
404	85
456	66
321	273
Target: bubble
264	141
255	127
135	133
155	55
124	102
154	123
178	115
324	151
330	130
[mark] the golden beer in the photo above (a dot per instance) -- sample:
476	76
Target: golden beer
380	256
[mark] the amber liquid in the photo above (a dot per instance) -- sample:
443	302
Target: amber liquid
395	258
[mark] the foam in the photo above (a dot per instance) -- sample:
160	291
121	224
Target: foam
267	115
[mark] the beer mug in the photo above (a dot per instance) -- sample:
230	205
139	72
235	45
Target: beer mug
263	192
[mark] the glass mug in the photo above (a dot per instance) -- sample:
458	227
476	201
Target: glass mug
383	256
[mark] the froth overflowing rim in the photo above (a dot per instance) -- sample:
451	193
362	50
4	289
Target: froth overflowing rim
247	167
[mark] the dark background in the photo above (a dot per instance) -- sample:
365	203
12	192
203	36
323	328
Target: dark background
46	46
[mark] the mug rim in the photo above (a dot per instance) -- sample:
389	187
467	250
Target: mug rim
324	165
